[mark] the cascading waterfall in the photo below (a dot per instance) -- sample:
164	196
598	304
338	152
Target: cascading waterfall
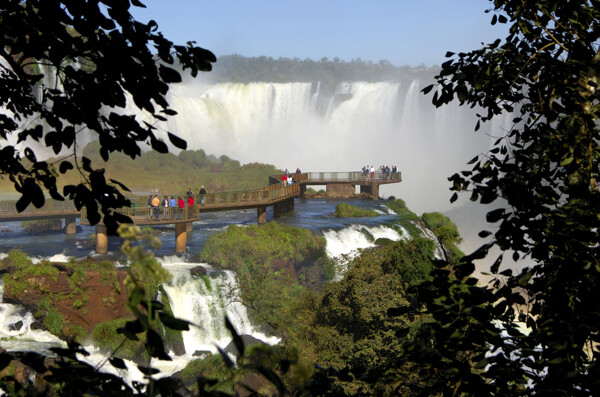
205	301
345	244
379	123
439	251
374	123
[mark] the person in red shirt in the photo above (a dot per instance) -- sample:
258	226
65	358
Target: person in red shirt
181	205
190	200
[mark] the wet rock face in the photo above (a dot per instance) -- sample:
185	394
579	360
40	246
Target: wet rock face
86	305
198	271
16	326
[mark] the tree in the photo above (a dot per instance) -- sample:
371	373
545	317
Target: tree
544	172
71	66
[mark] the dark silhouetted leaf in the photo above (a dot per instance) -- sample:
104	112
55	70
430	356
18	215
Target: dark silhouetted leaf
65	166
228	362
117	363
237	340
177	142
174	323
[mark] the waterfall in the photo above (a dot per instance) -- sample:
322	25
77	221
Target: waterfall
439	251
205	301
380	123
345	244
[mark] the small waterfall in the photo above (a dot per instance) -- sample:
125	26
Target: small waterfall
205	301
16	331
344	245
439	251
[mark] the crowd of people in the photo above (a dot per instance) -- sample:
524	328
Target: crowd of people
173	208
385	170
288	179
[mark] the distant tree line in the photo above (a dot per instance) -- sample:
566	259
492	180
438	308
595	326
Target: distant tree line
241	69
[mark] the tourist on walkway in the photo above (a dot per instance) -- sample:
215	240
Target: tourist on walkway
166	205
156	207
190	200
372	172
149	203
181	205
202	195
284	179
173	205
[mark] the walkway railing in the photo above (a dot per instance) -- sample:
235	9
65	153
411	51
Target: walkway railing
218	200
355	176
9	207
157	213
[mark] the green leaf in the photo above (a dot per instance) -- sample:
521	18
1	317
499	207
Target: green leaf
567	159
136	296
524	279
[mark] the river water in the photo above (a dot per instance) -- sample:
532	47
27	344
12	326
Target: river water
192	299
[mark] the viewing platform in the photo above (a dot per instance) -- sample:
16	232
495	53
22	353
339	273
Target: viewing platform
338	185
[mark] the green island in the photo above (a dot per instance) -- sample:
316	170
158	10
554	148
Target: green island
344	210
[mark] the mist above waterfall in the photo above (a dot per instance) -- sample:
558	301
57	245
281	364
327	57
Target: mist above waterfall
295	125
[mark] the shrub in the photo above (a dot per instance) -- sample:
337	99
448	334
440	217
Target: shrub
54	322
106	337
343	210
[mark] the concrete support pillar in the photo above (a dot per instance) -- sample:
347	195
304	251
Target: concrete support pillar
291	204
277	210
70	225
181	236
101	240
375	190
189	226
261	214
340	190
302	190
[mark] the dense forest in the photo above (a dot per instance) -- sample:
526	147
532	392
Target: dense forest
240	69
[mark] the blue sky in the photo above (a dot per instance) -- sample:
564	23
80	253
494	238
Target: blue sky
404	32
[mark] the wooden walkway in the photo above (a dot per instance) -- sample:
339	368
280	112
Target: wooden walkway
276	194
